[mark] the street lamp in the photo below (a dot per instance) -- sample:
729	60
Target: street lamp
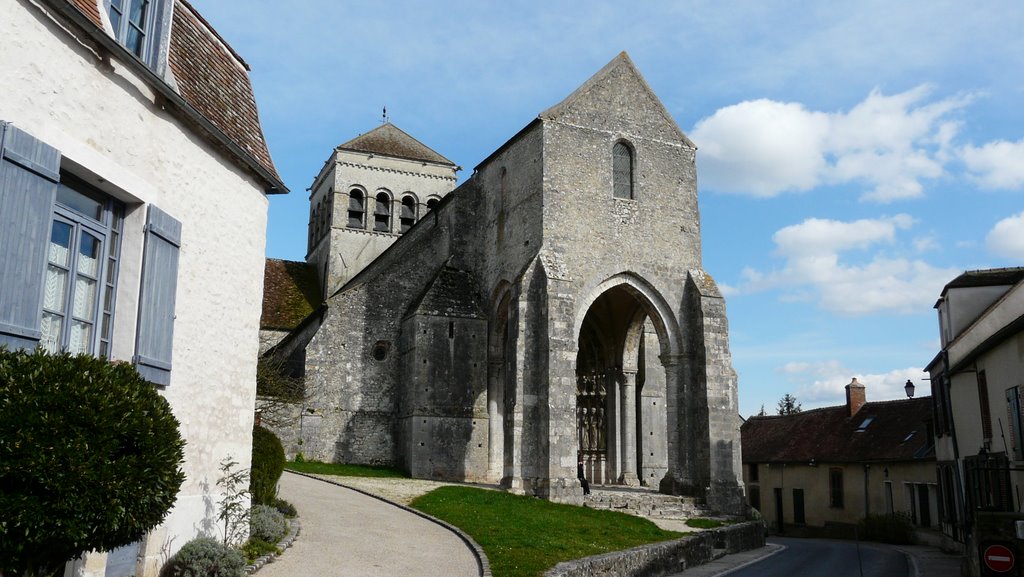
909	388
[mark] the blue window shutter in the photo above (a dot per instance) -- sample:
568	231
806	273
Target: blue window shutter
29	173
155	334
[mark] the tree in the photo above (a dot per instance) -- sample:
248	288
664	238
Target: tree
788	405
90	458
281	395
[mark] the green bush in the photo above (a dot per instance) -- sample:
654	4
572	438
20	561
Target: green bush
286	508
205	557
256	548
896	528
267	466
89	458
266	523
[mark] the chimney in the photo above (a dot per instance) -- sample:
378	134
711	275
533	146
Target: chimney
855	397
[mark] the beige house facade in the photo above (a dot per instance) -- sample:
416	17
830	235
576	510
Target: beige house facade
836	465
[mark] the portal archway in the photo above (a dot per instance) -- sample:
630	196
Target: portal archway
623	389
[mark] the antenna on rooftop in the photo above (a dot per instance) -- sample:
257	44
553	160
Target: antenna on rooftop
384	116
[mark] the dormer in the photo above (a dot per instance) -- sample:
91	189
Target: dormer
966	297
142	27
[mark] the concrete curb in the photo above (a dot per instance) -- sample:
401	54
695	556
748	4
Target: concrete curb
483	564
294	526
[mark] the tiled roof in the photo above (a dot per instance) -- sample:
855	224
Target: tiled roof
387	139
215	81
208	76
290	293
90	8
897	432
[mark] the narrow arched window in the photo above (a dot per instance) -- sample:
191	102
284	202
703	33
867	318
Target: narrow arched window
356	208
382	213
408	217
622	170
317	221
432	202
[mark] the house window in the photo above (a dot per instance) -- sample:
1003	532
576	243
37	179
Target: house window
356	208
408	217
137	26
752	468
382	213
81	270
835	488
622	170
755	497
798	507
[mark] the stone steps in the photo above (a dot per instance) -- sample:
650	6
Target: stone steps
644	503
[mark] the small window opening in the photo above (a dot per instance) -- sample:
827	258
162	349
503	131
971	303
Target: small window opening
864	425
622	171
382	213
356	208
408	217
451	330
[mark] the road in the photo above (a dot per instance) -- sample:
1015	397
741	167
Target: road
819	557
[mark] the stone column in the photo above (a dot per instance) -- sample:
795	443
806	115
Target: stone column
627	420
675	434
496	420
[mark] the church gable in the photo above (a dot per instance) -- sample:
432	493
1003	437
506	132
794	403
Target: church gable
618	98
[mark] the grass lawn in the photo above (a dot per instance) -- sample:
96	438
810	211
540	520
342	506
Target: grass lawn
343	470
525	536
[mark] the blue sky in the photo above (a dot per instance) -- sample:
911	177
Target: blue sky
853	156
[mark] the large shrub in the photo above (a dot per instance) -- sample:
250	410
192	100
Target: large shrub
267	466
266	524
205	557
89	458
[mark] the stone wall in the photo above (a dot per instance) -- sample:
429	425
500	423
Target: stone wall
669	557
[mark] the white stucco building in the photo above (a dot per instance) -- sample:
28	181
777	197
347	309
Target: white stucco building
979	398
133	207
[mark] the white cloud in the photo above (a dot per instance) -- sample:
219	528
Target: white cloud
890	144
1007	237
823	383
996	165
818	268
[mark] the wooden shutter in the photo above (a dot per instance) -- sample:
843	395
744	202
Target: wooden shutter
29	174
156	297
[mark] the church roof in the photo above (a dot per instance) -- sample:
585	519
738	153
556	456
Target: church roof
389	140
291	292
452	293
879	431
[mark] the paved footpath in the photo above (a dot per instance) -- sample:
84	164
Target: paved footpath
348	534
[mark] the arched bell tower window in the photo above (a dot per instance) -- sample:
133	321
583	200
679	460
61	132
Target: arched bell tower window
408	216
622	170
356	208
382	213
432	202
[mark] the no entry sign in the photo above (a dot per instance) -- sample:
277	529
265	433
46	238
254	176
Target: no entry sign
998	558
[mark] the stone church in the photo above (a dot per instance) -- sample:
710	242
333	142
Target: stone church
551	308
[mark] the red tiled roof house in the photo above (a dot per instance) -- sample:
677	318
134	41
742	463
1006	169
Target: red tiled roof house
839	464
